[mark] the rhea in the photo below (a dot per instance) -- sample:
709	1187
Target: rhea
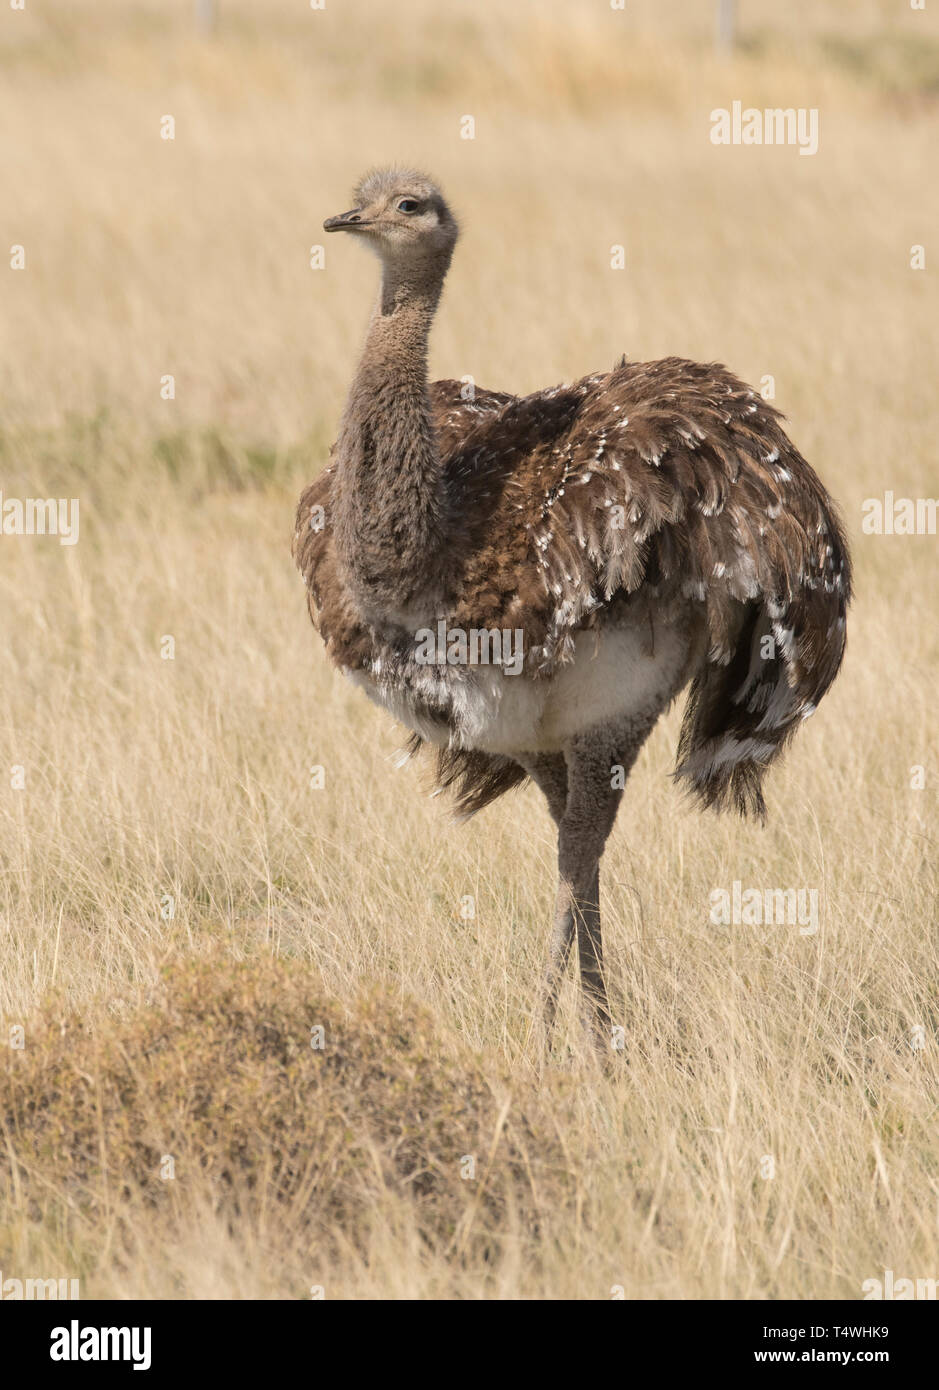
645	530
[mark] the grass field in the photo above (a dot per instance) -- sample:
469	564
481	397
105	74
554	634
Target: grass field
180	906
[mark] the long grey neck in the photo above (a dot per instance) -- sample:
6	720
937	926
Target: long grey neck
391	519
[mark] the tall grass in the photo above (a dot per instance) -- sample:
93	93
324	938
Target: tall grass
167	818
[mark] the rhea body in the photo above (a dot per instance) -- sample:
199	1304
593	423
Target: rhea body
631	533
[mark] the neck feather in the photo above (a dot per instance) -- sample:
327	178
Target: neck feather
391	506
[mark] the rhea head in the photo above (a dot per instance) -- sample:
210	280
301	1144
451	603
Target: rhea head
402	216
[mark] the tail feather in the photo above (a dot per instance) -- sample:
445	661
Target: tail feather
741	714
475	779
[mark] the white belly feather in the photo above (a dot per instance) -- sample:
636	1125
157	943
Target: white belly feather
616	671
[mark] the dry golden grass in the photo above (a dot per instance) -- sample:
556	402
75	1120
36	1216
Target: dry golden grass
190	778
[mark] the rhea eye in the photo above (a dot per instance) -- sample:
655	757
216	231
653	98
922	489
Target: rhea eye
407	205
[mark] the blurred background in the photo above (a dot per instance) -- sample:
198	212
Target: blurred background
192	256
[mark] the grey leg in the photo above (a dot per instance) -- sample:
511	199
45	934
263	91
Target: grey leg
592	802
549	772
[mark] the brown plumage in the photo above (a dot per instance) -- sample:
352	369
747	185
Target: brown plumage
658	512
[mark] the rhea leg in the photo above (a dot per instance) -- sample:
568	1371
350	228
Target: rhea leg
587	821
598	764
549	773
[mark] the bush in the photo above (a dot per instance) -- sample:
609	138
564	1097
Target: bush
216	1069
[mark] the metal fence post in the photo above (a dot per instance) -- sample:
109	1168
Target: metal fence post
725	25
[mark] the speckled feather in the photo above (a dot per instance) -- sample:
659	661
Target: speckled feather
667	478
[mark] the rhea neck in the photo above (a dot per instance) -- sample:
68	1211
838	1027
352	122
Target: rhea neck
391	505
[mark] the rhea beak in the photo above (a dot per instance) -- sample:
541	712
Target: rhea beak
346	221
